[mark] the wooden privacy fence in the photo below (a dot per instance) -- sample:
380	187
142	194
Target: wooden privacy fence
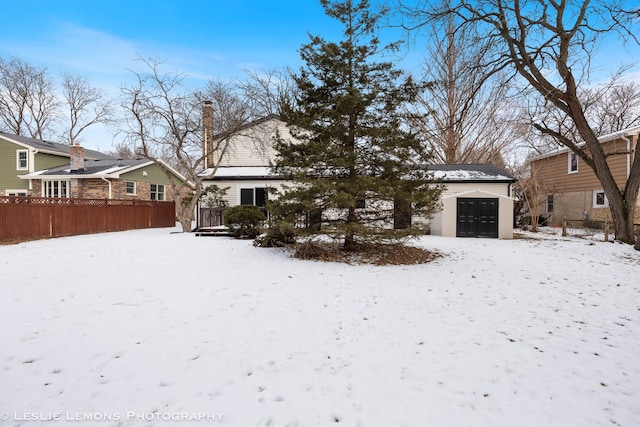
28	218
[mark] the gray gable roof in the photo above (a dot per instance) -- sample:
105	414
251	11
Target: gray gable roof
95	167
470	173
52	147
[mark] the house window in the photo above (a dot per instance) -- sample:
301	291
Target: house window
549	203
360	202
131	188
157	192
22	160
55	188
21	193
253	196
600	199
573	162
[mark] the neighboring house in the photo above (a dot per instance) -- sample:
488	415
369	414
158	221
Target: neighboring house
140	179
32	167
477	201
20	155
571	189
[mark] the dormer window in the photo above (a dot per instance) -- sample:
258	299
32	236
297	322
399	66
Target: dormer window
22	160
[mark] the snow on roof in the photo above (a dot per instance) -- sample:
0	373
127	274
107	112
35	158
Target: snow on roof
448	173
604	138
239	172
469	172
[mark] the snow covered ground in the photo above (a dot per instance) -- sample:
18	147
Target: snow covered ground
151	327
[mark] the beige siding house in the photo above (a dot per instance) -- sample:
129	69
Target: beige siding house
477	201
572	189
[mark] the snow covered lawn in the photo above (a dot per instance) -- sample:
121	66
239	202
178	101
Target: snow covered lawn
153	328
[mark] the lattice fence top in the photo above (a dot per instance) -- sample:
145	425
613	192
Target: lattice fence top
78	202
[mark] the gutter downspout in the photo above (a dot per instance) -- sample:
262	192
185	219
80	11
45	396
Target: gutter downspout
108	182
628	141
32	165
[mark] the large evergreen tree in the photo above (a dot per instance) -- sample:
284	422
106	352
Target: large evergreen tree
351	142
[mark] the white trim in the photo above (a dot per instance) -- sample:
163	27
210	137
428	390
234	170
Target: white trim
67	188
239	189
22	191
604	138
126	188
595	197
26	159
164	192
571	155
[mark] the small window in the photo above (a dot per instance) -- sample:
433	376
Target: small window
21	193
573	162
55	189
360	202
600	199
157	192
549	203
131	188
22	160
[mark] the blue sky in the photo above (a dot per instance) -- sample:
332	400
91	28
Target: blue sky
204	39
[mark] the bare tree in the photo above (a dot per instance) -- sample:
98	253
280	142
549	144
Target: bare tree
464	115
165	120
267	92
87	105
122	150
533	189
613	107
533	37
28	105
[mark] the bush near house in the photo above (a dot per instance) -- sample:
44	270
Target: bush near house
244	220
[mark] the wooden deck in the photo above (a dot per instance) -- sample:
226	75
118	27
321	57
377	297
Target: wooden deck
219	230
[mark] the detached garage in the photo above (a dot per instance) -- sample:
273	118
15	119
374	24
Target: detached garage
477	202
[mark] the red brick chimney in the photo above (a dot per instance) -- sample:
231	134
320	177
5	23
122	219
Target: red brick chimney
77	157
207	134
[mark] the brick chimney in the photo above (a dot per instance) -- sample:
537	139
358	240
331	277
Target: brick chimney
77	157
207	133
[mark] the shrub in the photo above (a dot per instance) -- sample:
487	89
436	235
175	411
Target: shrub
278	234
244	220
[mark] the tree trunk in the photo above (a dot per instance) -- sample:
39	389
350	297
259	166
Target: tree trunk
637	245
185	214
349	239
621	203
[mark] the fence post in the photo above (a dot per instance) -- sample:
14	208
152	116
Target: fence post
564	226
606	229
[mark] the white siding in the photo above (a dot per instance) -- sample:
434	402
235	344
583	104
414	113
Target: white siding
233	194
497	188
254	146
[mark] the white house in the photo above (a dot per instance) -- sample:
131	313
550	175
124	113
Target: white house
477	200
